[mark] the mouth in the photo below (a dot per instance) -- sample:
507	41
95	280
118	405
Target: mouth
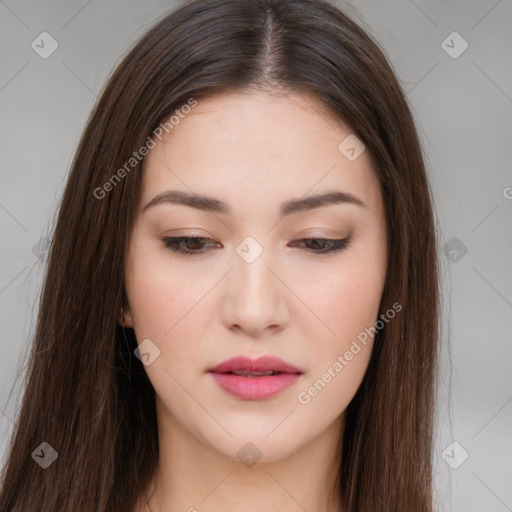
264	365
255	379
245	373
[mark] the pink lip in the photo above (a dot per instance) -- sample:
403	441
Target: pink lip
254	387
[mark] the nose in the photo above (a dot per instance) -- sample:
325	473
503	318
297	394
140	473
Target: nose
256	299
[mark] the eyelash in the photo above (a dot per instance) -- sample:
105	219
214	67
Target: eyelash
172	243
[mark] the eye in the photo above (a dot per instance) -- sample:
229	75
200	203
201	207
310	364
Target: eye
190	246
193	245
325	245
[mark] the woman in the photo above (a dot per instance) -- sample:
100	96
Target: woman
241	302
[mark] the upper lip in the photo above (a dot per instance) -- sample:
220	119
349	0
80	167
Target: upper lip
261	364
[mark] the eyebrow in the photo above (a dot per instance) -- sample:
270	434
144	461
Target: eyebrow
287	208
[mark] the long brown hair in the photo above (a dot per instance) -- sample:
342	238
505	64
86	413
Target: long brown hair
85	393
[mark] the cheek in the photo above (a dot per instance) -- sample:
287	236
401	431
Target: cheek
170	307
349	307
162	307
347	302
158	294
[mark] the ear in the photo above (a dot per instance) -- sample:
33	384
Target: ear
125	318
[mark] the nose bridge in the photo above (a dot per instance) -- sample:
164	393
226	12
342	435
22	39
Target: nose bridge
256	300
253	278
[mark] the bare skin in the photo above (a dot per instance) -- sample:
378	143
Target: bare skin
254	152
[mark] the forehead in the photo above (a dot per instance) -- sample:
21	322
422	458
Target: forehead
248	146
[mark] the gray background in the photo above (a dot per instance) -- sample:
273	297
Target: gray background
463	108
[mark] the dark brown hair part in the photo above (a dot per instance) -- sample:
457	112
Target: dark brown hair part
97	409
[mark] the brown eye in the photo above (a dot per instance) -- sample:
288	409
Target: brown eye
186	245
195	245
325	245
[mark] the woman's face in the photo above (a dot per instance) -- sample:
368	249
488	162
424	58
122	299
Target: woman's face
253	287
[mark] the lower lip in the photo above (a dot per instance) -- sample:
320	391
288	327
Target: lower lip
254	388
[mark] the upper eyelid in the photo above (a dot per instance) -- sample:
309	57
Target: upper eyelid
189	237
